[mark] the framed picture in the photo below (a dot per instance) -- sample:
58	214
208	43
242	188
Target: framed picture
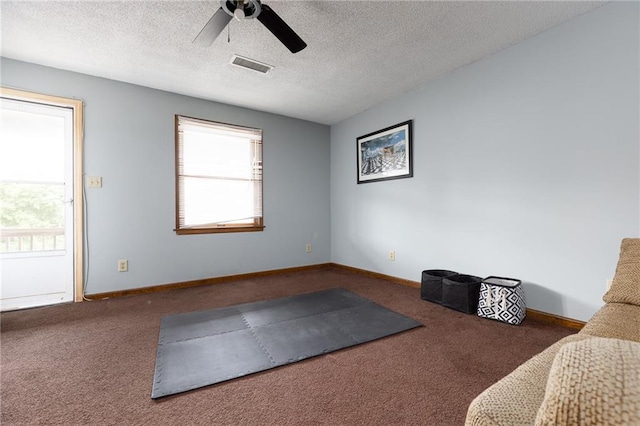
385	154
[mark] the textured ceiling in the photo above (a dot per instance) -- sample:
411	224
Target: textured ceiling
359	54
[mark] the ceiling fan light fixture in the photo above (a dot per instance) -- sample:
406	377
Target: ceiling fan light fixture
238	14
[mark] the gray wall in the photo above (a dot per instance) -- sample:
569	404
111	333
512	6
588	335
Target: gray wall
129	141
526	164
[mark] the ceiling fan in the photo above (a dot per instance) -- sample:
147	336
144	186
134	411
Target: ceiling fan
249	9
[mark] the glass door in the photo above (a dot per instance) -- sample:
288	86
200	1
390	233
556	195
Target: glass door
36	204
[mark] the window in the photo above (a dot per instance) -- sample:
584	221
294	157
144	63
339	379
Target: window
218	177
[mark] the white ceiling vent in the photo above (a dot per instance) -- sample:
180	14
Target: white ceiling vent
250	64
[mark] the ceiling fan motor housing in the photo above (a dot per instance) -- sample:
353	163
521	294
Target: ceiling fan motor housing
252	8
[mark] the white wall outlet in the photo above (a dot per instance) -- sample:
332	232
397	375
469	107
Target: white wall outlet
392	255
94	181
308	248
609	282
123	265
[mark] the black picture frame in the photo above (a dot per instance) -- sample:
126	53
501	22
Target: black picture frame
386	154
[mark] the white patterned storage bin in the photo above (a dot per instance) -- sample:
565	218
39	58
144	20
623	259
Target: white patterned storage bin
502	299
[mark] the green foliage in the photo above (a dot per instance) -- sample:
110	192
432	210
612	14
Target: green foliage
28	206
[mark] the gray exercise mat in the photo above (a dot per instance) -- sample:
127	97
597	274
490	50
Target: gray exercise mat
198	349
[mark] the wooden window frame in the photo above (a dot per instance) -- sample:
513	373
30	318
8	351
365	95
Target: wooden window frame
258	222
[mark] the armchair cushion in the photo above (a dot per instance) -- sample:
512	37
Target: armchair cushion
593	382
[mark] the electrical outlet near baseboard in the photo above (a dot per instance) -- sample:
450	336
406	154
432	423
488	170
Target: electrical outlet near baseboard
392	255
123	265
308	248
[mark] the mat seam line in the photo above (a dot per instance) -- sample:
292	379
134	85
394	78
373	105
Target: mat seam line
271	323
255	336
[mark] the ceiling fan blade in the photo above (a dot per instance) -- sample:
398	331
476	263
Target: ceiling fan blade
213	28
280	29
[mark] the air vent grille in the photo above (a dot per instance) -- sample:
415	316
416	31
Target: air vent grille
250	64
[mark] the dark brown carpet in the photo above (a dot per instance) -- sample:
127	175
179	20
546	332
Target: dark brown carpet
93	362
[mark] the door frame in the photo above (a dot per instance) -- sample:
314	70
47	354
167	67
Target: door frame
77	108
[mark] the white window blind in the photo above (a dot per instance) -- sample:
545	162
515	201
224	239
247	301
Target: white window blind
218	176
